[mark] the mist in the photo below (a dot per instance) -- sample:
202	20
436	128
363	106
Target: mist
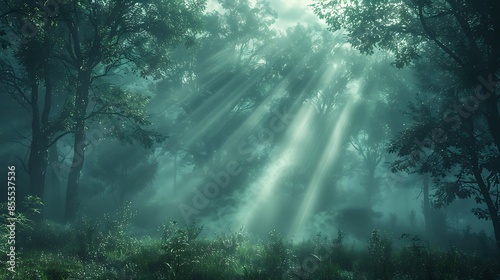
273	120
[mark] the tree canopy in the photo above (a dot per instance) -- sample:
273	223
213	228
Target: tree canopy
455	133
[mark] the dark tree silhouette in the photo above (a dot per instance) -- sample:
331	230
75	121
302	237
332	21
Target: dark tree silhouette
461	140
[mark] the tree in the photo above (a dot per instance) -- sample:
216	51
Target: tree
458	144
92	41
220	81
372	153
119	174
108	36
32	78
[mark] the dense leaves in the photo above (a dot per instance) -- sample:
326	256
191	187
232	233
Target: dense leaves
448	138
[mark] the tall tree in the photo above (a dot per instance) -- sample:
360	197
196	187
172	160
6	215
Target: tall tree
93	41
457	142
107	36
221	81
32	77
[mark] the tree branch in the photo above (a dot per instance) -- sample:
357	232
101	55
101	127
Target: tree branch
431	34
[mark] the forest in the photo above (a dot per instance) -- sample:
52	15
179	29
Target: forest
250	139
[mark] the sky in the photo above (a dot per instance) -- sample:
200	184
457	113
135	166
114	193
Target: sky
290	12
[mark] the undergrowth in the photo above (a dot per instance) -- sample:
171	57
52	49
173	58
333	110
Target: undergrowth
92	249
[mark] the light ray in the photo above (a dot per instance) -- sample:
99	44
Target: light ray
266	184
216	119
325	162
260	191
214	111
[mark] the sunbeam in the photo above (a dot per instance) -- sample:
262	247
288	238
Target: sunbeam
326	162
266	184
219	139
215	114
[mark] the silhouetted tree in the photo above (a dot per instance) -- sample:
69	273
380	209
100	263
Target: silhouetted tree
100	39
461	143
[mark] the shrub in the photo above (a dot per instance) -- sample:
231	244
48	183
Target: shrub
277	255
178	243
378	261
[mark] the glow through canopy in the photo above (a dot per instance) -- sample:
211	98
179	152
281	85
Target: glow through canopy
267	182
326	161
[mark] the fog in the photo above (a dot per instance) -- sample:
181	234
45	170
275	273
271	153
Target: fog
263	120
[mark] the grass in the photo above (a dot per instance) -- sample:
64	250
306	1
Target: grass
102	250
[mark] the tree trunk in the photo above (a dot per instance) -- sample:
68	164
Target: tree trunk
37	162
495	219
493	115
74	174
37	166
371	184
56	200
492	209
81	104
426	206
496	229
493	119
175	172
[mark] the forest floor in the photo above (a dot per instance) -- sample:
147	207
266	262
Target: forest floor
103	250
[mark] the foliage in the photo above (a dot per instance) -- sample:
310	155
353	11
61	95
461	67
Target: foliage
276	256
125	112
67	57
25	215
378	261
109	253
358	17
447	138
177	243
